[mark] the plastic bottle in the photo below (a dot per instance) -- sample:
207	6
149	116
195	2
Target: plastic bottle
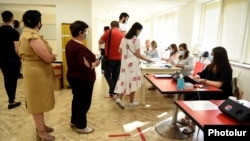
180	83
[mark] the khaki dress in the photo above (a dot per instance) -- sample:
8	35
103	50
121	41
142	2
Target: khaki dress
37	74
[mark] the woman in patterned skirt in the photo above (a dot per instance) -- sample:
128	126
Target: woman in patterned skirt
130	77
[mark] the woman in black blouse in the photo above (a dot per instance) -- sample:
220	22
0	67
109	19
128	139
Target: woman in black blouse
218	74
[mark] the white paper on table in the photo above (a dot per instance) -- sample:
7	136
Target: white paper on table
162	75
201	105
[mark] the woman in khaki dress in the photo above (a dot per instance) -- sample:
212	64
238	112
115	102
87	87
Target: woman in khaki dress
37	57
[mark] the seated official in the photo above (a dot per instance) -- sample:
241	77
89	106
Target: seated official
184	61
218	74
153	53
173	53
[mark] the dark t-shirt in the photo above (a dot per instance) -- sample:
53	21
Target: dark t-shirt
225	76
7	48
75	52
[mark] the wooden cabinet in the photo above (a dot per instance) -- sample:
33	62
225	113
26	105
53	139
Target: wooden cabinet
66	36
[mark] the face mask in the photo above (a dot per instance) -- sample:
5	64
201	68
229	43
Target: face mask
171	51
125	21
181	53
211	58
85	35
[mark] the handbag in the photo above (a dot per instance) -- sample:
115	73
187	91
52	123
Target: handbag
105	56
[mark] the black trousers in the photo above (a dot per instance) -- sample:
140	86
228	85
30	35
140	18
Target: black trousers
103	63
82	96
111	73
10	70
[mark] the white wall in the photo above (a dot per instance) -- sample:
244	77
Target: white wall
185	24
69	11
66	12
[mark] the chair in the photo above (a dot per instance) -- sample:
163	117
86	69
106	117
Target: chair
235	79
199	66
236	73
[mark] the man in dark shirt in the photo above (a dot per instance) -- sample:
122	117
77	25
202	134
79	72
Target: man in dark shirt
9	60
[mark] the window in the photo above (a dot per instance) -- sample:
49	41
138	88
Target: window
226	23
232	28
164	38
210	24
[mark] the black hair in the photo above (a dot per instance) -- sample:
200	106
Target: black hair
220	60
133	30
7	16
123	14
106	28
31	18
16	23
76	27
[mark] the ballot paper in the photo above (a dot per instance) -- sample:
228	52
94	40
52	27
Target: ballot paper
201	105
162	75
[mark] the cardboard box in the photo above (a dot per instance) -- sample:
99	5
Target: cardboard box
57	69
57	84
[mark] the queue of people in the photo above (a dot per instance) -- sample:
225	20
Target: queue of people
122	69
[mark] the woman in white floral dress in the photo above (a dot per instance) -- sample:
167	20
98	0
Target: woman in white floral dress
130	78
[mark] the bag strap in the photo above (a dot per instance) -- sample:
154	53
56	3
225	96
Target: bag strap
235	83
109	42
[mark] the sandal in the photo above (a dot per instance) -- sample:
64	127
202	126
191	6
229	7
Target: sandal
184	121
48	129
189	129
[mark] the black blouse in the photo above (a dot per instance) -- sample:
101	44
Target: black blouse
225	76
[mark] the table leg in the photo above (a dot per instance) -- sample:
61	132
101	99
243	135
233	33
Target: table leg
143	87
169	128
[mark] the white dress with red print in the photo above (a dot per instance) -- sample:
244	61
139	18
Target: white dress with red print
130	78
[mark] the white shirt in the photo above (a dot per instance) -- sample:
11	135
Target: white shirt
153	53
188	65
123	27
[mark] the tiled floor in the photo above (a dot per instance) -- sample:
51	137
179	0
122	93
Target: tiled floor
110	122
